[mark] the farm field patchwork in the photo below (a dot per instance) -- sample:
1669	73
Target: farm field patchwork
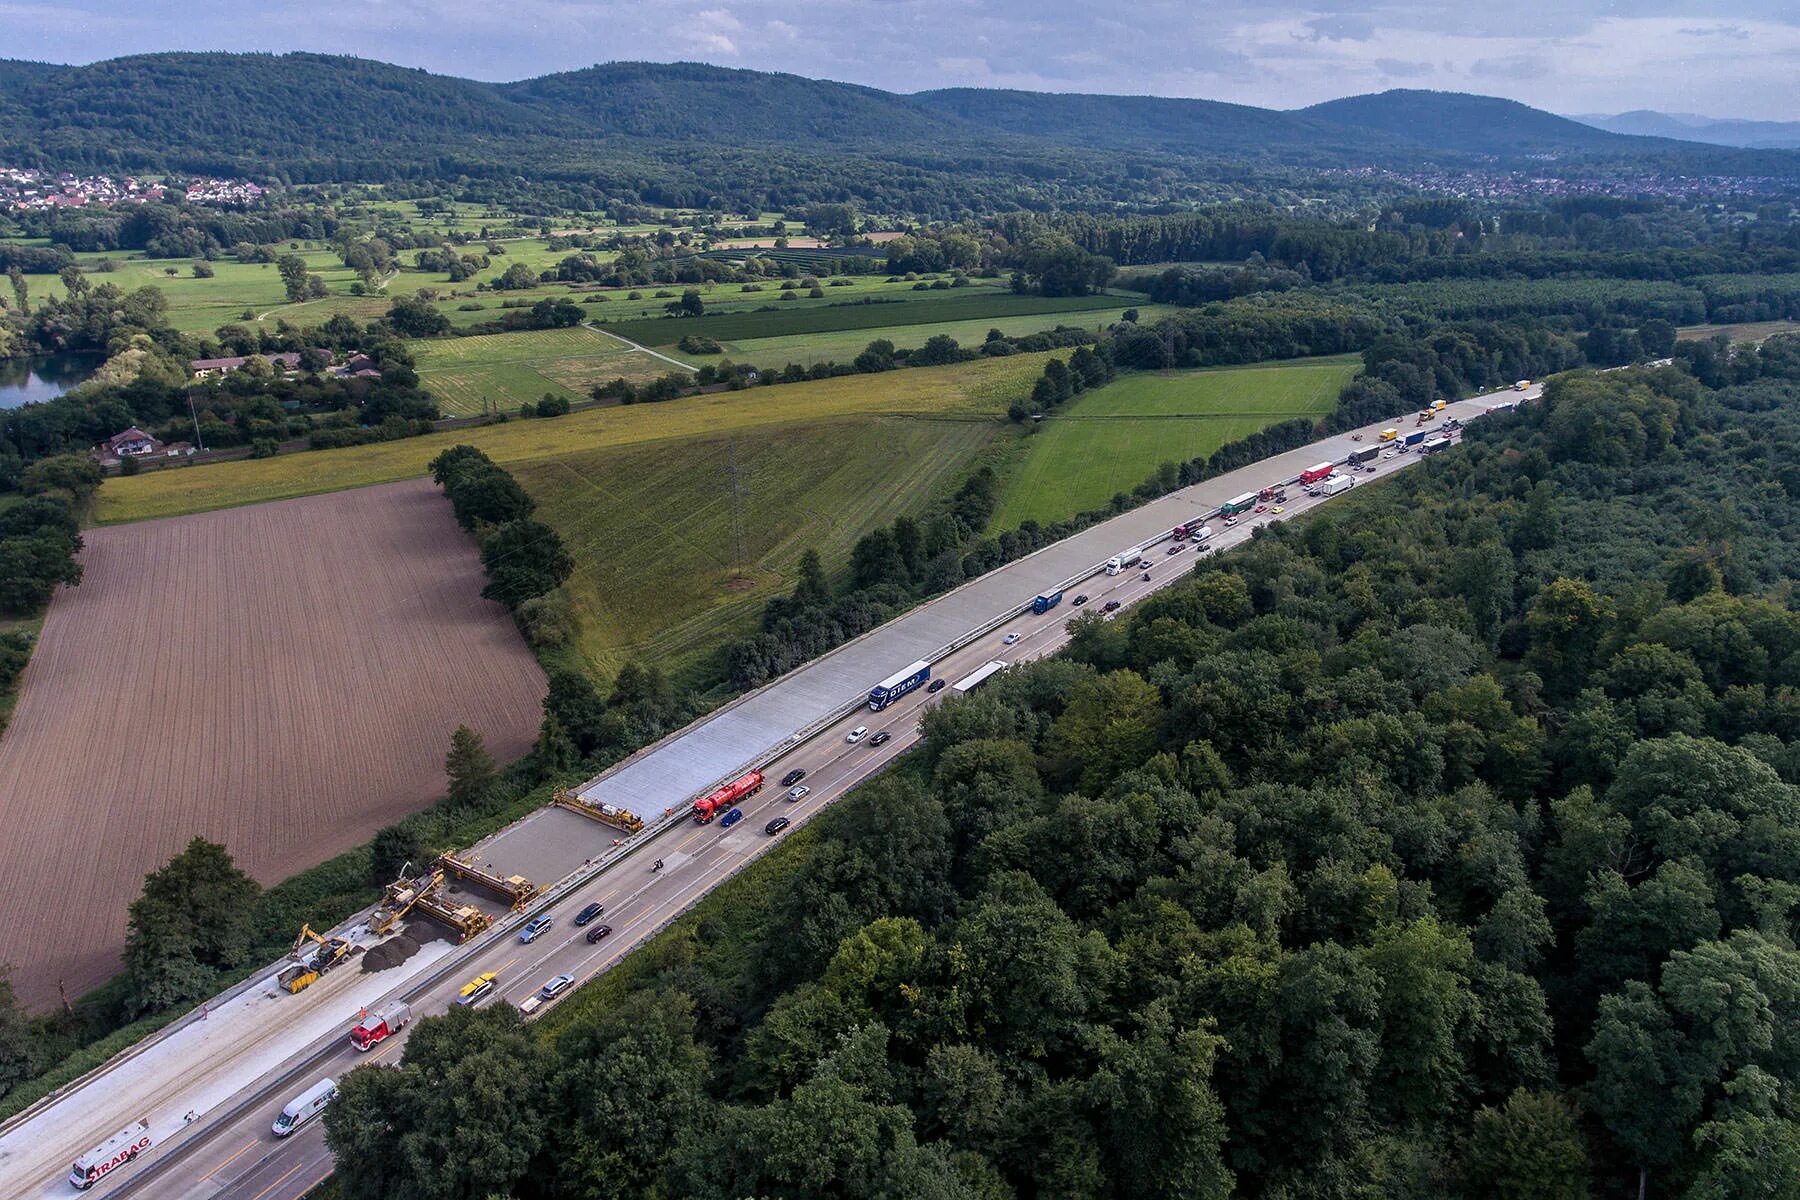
1111	439
983	388
664	573
824	317
845	345
211	677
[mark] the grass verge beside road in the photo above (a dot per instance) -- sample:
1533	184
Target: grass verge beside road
1112	439
679	543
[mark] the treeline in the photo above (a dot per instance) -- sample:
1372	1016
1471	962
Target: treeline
1436	845
523	558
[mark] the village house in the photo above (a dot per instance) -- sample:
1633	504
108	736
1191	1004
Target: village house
208	368
134	442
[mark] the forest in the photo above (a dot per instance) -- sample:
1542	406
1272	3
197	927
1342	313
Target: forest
1443	843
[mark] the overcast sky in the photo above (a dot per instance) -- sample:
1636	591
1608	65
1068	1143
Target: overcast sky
1736	58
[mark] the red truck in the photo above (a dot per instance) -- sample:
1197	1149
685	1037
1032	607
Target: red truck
722	798
379	1026
1314	474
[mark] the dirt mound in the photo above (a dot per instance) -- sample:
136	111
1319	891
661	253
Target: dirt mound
390	953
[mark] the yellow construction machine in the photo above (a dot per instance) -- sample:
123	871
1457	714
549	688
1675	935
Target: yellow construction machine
607	814
309	965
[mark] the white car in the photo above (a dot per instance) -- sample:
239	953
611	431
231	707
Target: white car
1010	638
857	734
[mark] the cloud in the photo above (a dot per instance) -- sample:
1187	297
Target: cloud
1341	28
1401	69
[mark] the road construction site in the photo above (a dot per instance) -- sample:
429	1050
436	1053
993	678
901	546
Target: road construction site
210	1085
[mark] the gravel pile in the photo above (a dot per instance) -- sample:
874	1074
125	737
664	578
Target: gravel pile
390	953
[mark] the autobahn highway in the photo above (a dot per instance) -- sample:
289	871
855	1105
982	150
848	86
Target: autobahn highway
230	1150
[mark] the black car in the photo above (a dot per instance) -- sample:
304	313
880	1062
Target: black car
1112	606
792	777
1079	600
776	826
589	913
598	932
880	738
936	685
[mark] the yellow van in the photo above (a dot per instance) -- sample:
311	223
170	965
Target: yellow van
1439	405
1388	435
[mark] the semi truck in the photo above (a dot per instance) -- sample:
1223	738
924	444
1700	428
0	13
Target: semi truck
721	798
1046	602
117	1150
1315	473
1336	484
1238	504
1365	455
898	684
1416	436
379	1025
1121	560
977	677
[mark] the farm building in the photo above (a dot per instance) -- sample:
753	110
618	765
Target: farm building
134	442
207	368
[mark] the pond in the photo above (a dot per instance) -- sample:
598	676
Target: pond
27	380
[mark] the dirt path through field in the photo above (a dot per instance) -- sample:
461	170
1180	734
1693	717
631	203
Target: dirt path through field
281	678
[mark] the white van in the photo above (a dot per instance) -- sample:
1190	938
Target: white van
117	1150
304	1107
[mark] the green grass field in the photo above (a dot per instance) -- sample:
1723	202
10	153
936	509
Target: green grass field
664	575
498	372
981	390
845	345
1747	331
1112	439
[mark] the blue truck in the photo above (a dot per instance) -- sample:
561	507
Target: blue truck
1046	602
898	684
1416	436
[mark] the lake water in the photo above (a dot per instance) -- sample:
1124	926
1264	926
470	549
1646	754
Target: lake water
26	380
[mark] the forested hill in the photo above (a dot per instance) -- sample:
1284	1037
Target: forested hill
1471	124
312	116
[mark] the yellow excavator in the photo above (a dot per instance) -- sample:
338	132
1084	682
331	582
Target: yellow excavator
309	965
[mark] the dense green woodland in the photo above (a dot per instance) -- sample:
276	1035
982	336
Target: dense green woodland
689	134
1445	842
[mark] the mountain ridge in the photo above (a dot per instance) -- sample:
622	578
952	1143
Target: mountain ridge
312	115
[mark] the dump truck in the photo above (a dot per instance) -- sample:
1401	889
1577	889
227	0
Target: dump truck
721	798
379	1025
308	966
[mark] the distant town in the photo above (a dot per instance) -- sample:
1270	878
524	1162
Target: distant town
24	187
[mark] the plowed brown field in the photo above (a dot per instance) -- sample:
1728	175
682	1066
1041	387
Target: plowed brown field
282	678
